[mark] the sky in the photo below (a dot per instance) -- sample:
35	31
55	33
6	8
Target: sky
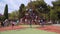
14	4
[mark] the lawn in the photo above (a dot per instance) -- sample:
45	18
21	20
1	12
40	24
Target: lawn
27	31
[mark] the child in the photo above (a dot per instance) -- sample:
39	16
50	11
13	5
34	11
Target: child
2	24
42	21
12	23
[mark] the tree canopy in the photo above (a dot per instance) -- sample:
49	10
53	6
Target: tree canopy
6	12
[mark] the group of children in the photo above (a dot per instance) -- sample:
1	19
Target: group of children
7	23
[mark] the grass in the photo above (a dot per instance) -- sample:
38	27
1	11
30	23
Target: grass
27	31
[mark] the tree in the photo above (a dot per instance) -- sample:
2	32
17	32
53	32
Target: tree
22	10
39	7
53	14
56	7
13	15
6	12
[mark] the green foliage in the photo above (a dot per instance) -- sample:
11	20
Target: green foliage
53	15
6	12
13	15
22	10
2	18
40	8
56	7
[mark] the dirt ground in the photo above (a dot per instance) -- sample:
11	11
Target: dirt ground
50	28
10	28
